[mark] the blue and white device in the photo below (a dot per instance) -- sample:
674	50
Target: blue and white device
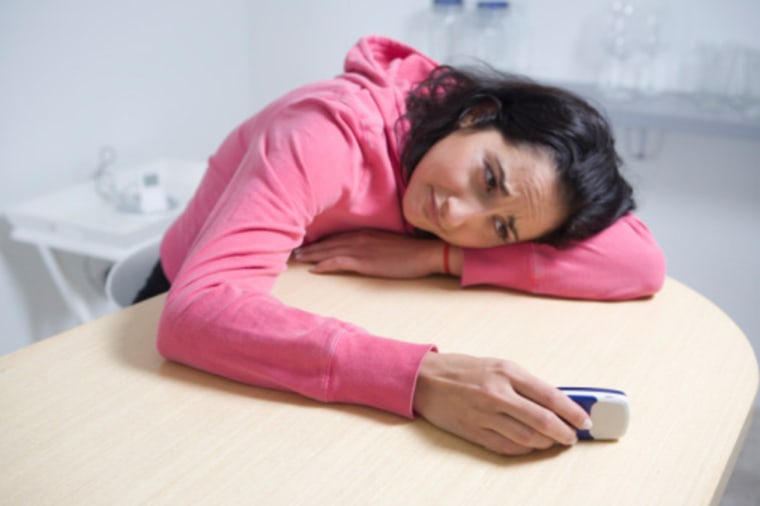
607	408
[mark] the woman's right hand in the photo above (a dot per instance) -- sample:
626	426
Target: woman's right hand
495	403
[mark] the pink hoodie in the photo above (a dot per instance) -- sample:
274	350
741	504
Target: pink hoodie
324	159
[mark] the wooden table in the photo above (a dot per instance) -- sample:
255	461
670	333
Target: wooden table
95	416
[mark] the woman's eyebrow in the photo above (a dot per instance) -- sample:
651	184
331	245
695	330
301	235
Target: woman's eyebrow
505	191
502	178
511	226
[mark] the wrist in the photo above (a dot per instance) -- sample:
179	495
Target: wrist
455	261
446	259
427	372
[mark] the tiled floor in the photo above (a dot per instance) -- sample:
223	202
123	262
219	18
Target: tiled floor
744	486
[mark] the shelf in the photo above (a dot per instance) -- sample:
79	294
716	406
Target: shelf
671	110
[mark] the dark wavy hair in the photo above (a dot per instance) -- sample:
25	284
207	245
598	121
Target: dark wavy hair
577	137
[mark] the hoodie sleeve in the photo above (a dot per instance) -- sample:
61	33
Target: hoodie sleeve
621	262
219	315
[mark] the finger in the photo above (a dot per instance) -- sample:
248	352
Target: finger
540	406
337	264
323	245
496	442
556	401
323	252
567	409
516	431
541	420
492	440
550	397
347	239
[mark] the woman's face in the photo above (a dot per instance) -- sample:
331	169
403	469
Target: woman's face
475	189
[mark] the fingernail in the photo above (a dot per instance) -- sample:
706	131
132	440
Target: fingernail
587	424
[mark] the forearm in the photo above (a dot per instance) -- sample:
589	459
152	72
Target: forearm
621	262
255	339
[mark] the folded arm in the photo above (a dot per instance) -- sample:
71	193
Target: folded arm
621	262
220	316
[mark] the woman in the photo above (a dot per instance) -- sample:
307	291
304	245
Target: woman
397	169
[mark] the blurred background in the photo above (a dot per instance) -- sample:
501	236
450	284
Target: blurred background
90	89
168	80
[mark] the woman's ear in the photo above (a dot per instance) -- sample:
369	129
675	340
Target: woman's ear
486	110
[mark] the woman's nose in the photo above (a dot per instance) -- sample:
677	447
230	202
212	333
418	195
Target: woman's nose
457	211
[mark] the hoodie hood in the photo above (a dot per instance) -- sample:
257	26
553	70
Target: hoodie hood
388	70
386	61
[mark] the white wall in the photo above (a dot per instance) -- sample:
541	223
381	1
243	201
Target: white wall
152	79
170	78
699	195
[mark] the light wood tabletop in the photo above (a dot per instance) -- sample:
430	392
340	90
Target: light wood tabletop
95	416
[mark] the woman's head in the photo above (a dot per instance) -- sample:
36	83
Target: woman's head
510	154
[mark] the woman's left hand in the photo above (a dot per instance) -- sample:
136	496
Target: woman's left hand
374	253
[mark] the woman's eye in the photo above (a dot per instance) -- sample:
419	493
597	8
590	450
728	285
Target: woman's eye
501	229
490	177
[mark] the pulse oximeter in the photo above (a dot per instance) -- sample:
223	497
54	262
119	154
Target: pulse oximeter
607	408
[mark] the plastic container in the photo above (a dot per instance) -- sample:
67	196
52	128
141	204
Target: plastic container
491	39
444	29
